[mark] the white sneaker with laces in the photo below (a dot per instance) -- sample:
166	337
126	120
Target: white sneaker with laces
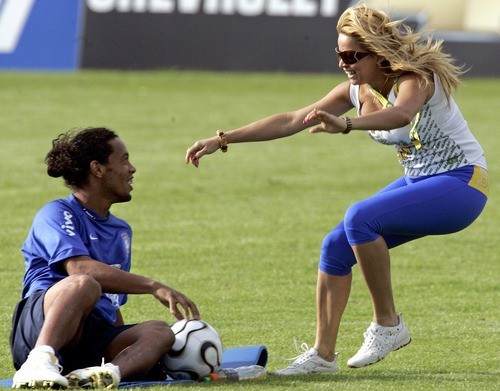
379	342
106	376
309	362
40	370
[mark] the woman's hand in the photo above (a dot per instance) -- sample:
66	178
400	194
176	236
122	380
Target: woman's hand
329	123
201	148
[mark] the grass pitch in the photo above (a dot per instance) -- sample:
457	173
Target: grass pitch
241	234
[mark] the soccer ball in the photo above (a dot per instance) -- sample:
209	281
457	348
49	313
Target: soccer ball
197	351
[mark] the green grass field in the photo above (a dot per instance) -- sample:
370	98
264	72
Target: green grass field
241	234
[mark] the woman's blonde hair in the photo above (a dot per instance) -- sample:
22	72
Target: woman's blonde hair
401	49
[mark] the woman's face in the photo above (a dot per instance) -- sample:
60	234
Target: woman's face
364	70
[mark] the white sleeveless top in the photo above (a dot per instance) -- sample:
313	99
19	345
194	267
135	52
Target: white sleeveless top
437	140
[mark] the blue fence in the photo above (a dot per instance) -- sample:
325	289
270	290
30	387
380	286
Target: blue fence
236	35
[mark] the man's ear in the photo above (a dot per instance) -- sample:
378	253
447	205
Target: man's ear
96	168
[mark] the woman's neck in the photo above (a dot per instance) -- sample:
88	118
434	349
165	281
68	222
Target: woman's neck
383	88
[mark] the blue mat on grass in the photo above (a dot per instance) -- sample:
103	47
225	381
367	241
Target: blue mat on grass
232	358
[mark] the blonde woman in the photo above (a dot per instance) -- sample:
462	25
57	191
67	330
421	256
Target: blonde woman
401	86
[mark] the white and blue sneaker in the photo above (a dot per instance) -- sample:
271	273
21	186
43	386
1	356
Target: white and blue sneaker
379	342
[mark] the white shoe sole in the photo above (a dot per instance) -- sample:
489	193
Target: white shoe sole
380	359
303	373
44	384
102	380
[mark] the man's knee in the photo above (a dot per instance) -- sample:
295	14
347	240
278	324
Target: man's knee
79	288
159	332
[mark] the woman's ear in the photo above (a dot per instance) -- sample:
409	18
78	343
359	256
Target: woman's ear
383	63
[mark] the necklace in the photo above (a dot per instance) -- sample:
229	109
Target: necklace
383	86
377	95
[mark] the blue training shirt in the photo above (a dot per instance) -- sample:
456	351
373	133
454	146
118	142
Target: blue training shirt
64	228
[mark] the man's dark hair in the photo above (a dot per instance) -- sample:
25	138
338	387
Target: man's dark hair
73	151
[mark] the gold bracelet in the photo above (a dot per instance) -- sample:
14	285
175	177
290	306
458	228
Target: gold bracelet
222	140
348	126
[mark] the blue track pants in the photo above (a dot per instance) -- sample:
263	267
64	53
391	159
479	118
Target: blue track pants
405	210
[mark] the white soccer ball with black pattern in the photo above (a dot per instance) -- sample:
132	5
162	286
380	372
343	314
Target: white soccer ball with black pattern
197	350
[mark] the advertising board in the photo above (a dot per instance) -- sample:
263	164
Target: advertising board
40	34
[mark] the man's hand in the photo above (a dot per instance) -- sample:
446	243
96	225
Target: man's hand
173	299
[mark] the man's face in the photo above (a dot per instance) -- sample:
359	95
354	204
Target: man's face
118	174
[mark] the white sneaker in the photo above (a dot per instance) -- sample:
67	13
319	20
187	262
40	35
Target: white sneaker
106	376
310	362
379	342
40	370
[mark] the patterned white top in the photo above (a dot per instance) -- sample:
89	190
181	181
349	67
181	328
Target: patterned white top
437	140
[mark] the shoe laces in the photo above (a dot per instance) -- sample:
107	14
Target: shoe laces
376	338
303	352
57	366
47	360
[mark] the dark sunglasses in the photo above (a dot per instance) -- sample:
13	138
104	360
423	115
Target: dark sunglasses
350	56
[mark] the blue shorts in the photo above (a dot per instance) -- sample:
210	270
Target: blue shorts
27	322
405	210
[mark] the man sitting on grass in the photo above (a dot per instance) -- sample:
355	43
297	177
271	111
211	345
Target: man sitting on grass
77	258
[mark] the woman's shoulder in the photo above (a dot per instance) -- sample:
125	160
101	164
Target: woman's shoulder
428	77
417	81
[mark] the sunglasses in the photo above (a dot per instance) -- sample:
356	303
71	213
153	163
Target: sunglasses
350	57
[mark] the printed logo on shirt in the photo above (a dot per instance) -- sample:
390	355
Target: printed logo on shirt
114	298
68	225
126	242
